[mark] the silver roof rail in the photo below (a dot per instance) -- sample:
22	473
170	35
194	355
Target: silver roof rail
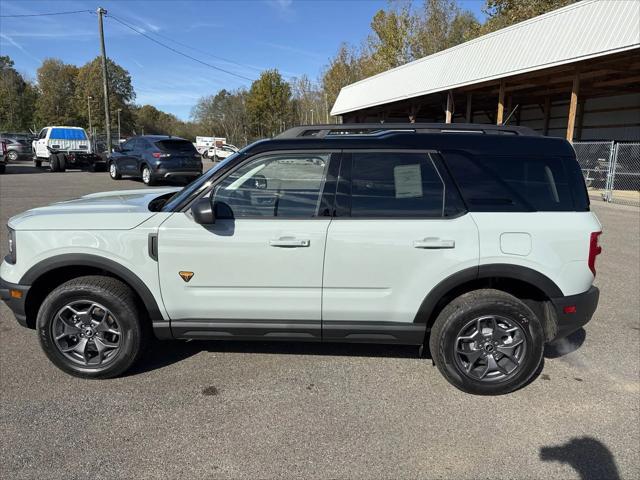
376	129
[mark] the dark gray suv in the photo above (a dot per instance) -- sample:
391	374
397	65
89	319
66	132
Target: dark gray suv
154	158
18	146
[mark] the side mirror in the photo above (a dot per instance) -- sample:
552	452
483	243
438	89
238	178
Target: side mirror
259	182
203	212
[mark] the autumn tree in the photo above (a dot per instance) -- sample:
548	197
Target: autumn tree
89	89
269	104
17	98
502	13
57	86
224	114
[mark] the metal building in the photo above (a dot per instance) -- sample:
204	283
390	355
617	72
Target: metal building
573	72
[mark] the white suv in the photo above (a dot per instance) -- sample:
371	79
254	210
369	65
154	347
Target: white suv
475	241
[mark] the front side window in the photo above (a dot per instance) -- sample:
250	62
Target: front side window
279	185
43	133
396	184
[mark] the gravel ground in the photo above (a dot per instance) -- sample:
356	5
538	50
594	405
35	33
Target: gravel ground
257	410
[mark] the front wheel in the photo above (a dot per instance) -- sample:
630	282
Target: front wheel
113	171
487	342
37	163
89	327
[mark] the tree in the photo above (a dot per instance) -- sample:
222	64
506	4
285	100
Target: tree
269	104
224	114
17	98
308	102
57	84
502	13
389	43
343	69
121	94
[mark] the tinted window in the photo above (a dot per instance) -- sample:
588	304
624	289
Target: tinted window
395	184
287	185
176	146
511	183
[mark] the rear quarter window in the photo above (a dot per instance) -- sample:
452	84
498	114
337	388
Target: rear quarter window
512	183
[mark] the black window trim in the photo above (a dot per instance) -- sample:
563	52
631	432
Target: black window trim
324	194
436	158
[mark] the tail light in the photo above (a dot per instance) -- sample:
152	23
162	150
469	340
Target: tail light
4	148
594	251
160	155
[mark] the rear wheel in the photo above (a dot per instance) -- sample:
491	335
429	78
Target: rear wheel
3	167
487	342
13	156
89	327
53	163
62	162
147	178
37	163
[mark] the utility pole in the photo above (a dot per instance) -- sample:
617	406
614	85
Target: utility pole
119	110
89	98
326	106
107	118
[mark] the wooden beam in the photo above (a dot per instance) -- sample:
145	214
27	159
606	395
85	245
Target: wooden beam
469	116
499	117
547	114
449	111
573	106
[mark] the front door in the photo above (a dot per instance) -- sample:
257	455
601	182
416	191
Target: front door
256	272
398	233
41	144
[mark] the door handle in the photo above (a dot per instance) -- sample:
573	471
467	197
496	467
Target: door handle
289	242
434	243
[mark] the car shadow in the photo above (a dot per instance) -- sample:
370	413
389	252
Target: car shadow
566	345
26	169
586	455
162	353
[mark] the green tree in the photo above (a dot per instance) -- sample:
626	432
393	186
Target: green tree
343	69
269	104
89	88
389	42
224	114
57	84
17	98
502	13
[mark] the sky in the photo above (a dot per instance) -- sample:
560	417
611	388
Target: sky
243	37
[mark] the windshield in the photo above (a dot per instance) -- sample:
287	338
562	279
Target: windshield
201	183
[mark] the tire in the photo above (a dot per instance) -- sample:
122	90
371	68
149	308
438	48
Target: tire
113	171
205	154
37	163
147	177
62	162
13	156
467	362
3	167
53	163
109	347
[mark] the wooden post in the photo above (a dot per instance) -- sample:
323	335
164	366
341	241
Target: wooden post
573	107
469	117
500	116
449	108
547	114
580	119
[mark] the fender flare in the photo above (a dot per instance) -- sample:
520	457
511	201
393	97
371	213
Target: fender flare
502	270
87	260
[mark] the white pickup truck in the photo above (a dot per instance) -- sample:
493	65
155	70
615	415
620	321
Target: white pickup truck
65	147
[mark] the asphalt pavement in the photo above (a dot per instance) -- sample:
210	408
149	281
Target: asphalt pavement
260	410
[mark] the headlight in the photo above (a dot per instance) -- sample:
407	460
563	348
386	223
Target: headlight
11	257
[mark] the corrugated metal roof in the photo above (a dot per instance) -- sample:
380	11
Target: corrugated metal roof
583	30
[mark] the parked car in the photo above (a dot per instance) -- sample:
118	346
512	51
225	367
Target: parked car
154	158
3	156
221	152
475	241
65	147
18	146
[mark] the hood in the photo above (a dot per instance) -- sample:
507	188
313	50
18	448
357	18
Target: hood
119	210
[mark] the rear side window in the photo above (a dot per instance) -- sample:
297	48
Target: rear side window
396	184
67	134
511	183
175	146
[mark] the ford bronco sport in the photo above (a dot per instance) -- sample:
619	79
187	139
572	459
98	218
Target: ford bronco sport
475	241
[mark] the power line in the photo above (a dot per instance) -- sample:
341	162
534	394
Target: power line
178	51
46	14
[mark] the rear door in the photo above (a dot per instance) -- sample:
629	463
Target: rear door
400	230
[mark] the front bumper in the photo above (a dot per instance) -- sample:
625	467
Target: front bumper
17	305
574	311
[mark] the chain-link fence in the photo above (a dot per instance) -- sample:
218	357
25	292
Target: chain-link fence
611	170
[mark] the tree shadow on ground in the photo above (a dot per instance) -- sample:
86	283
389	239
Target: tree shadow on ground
588	456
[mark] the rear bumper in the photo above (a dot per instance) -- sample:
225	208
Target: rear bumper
574	311
162	173
17	305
